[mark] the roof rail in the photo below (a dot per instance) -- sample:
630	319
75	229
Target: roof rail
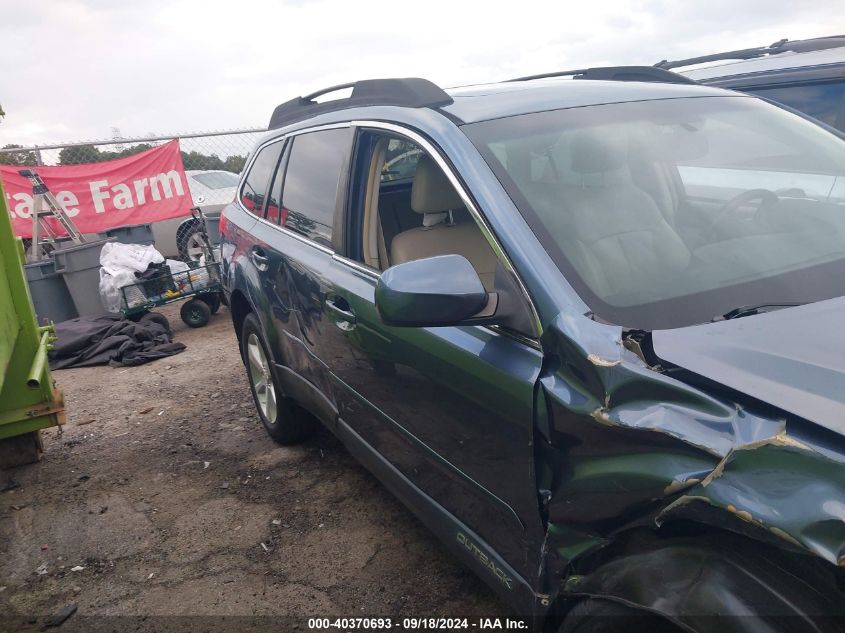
411	92
617	73
781	46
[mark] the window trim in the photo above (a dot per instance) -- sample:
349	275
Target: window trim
284	138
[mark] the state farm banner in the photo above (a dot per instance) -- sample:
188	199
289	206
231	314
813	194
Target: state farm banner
145	187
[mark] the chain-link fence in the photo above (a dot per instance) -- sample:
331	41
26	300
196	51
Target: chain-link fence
226	150
201	151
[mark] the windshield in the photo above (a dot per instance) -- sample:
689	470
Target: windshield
667	213
217	179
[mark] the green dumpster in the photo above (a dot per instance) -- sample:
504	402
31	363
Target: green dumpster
29	400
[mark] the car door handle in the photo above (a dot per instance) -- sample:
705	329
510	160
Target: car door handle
259	258
340	308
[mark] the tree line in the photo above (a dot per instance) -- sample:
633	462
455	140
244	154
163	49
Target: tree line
90	154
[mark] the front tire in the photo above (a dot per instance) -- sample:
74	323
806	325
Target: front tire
283	419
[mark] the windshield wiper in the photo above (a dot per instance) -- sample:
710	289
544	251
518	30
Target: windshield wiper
744	311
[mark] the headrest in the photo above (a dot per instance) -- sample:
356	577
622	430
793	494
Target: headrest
594	153
431	191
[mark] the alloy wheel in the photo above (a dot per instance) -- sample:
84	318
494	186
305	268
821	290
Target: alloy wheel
261	378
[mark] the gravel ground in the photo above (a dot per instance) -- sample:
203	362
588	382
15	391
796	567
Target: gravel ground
165	490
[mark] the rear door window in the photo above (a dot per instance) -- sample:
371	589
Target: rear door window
257	181
316	168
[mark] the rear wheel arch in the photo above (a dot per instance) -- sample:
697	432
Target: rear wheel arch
239	307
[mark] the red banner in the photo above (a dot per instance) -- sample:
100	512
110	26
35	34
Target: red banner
145	187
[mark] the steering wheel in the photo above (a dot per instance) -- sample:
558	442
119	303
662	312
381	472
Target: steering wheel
730	207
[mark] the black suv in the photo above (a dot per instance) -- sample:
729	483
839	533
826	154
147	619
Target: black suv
807	75
587	326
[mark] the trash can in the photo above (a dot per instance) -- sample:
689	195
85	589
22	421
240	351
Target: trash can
80	266
212	228
49	292
133	234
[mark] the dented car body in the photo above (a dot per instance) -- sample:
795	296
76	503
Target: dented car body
665	453
597	416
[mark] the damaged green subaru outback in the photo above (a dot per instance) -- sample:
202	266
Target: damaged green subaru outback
587	326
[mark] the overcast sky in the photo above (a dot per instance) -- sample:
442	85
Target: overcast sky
72	70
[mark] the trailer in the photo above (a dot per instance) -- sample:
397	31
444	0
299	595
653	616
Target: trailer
200	283
29	399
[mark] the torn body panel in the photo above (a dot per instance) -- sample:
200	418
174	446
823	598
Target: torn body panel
627	446
781	486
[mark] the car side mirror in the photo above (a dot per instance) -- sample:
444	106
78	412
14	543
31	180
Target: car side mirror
435	291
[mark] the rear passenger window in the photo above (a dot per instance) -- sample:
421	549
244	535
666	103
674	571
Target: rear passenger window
258	179
317	160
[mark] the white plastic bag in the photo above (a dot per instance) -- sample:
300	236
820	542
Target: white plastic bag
110	286
176	266
199	278
116	257
179	273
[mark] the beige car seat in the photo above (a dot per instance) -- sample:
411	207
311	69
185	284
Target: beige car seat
433	196
614	233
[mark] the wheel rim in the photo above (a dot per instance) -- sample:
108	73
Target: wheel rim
194	248
261	379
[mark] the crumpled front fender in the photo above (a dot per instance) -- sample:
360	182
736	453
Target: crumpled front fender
786	487
626	446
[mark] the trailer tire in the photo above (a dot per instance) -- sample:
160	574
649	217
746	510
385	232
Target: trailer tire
195	313
212	299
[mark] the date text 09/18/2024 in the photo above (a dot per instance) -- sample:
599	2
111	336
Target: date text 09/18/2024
416	624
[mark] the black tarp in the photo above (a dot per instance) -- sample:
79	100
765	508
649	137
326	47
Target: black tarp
112	339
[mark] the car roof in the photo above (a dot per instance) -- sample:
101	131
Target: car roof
781	61
493	101
471	104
